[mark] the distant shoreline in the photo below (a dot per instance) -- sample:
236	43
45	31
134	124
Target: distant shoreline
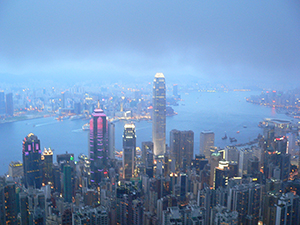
25	117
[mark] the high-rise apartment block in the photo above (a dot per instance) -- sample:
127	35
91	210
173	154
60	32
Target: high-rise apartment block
15	169
159	115
221	215
9	104
47	159
288	209
245	199
147	153
111	140
175	90
67	179
207	141
244	156
2	103
8	202
182	147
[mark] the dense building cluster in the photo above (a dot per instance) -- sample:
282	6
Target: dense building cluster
284	102
6	105
162	184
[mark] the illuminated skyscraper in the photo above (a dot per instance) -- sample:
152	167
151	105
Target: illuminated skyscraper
245	199
63	100
47	158
287	209
182	147
129	146
98	148
207	141
32	161
8	202
159	114
221	174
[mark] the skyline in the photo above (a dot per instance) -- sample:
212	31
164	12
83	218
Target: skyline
240	42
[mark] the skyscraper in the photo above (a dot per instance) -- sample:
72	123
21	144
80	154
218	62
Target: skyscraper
129	146
8	202
207	141
175	90
147	157
24	207
245	199
2	103
244	156
182	147
32	161
98	148
63	100
159	114
147	153
111	140
47	158
288	209
67	183
9	104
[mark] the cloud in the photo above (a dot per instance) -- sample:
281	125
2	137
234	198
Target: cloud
219	39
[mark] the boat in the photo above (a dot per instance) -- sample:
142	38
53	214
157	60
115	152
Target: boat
232	139
86	127
76	117
245	126
225	137
238	132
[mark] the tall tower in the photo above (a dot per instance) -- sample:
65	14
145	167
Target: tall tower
8	202
98	148
67	180
245	199
63	100
159	114
47	158
182	147
32	161
111	140
2	103
129	154
9	104
207	140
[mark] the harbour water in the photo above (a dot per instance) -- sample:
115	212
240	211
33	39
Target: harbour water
220	112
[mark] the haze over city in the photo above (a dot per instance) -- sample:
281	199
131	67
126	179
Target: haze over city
241	42
149	112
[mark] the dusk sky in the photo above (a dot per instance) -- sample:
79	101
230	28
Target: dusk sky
197	40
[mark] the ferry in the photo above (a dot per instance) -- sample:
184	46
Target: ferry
233	139
86	127
225	137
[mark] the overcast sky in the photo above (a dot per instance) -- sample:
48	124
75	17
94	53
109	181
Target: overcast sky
220	40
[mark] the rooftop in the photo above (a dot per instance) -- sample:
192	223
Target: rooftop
159	75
